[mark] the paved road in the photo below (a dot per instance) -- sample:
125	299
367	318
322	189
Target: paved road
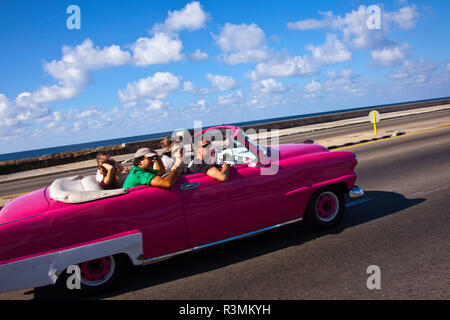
402	225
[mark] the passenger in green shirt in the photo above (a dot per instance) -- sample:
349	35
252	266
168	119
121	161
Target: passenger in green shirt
142	174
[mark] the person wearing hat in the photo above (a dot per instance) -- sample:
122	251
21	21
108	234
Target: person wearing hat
143	174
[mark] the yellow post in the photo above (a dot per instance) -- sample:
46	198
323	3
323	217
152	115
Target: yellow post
374	123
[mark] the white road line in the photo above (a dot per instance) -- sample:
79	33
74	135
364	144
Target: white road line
354	203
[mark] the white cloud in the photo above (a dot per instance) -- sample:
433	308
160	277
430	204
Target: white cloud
14	119
72	71
353	25
84	57
354	29
268	86
242	43
389	56
46	94
158	86
420	73
164	46
337	85
267	93
191	17
314	86
88	113
308	24
198	107
232	99
223	83
161	48
197	55
153	105
260	101
447	67
355	33
86	120
311	24
5	106
284	67
190	87
405	18
332	51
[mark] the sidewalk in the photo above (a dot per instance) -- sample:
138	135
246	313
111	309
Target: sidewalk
331	143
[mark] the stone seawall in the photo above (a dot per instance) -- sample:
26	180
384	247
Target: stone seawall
18	165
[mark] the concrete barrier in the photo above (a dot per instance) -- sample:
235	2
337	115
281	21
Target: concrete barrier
303	121
12	166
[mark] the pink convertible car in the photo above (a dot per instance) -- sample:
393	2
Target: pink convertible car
74	222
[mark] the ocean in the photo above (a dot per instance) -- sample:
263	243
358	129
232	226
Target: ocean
102	143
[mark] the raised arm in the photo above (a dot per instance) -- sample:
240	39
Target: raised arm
221	175
167	181
159	166
110	173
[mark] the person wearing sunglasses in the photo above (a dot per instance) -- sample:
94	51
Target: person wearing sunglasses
143	173
202	165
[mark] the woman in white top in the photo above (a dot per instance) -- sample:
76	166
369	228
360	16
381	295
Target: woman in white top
109	173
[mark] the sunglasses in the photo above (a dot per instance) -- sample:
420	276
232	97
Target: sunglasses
206	145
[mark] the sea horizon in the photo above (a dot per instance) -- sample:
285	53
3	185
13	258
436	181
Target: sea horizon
117	141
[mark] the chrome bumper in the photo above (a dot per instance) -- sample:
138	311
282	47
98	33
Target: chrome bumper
356	192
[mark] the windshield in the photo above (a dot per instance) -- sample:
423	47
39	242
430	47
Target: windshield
232	145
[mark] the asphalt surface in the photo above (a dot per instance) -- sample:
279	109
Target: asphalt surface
401	225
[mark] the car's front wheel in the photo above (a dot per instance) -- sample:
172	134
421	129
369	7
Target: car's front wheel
325	208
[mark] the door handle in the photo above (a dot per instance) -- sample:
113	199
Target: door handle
187	186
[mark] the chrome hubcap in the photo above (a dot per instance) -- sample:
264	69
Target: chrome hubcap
97	272
327	206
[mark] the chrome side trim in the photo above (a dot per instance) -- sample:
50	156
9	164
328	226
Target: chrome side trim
356	192
245	235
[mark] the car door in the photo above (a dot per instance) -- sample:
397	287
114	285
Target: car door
158	214
216	211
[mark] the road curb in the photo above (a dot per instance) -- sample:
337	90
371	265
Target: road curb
347	144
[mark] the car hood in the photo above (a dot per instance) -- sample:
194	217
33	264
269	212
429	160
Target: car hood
25	206
298	149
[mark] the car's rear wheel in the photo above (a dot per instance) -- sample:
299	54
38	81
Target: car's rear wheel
98	272
325	208
98	275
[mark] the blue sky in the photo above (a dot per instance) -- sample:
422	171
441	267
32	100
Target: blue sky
141	67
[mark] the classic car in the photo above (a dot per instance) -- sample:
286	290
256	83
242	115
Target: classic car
73	222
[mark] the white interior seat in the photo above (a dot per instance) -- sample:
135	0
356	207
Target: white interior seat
80	189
